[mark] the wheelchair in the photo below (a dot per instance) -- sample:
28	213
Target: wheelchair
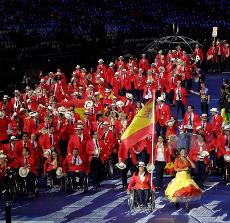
25	187
132	201
11	185
70	186
108	168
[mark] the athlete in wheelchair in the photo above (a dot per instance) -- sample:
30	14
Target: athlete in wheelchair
75	169
140	190
27	173
52	168
2	172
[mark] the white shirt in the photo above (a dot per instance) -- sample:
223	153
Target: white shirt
177	97
78	160
142	177
190	125
160	152
149	94
96	148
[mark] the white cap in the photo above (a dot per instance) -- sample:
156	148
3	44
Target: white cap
204	115
100	61
13	138
120	104
75	93
149	82
105	123
161	68
107	90
227	127
111	64
78	67
160	99
50	108
213	110
33	114
141	164
129	96
79	127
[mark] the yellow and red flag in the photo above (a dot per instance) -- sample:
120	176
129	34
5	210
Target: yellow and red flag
140	127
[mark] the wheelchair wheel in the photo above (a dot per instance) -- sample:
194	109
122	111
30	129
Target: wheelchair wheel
86	184
36	191
152	200
131	200
226	172
109	169
66	184
10	193
23	186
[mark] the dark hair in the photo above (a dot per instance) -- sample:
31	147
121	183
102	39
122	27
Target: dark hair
137	172
27	149
25	133
98	116
191	106
58	158
179	150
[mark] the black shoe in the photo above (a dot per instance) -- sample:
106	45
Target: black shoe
177	205
124	187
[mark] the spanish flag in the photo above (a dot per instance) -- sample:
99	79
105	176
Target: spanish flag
140	127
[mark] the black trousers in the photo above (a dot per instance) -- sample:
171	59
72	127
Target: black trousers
143	156
227	64
219	62
204	107
161	130
220	164
30	181
63	146
51	175
180	106
160	168
139	95
142	196
81	175
211	65
129	166
199	173
170	96
96	170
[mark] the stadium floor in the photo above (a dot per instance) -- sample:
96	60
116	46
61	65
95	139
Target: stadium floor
109	203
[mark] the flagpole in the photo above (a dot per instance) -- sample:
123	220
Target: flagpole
153	130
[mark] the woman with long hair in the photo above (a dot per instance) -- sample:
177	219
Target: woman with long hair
182	188
50	167
161	157
141	181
